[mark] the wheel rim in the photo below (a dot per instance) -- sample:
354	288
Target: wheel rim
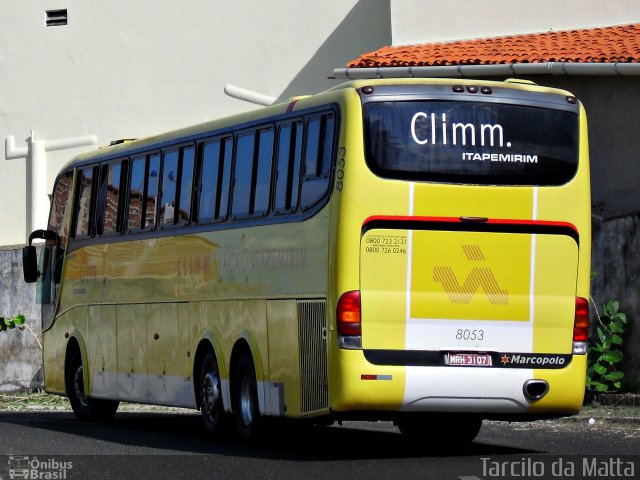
246	403
78	386
210	394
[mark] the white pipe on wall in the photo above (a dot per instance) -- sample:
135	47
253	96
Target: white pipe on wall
249	95
35	153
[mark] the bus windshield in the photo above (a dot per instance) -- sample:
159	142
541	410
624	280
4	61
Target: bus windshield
471	142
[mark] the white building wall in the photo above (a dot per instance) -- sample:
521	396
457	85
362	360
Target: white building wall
122	69
426	21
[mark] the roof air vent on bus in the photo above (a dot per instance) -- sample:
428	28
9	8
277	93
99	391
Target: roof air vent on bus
121	140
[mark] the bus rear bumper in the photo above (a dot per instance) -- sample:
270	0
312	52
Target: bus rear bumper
357	385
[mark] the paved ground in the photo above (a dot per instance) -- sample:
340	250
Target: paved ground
154	443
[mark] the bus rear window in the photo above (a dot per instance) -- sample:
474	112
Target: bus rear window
469	142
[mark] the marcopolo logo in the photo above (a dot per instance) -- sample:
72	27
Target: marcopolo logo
534	360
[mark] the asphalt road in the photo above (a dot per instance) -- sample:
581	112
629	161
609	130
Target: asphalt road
173	446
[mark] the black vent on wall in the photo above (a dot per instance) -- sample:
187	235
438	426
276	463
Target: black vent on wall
56	18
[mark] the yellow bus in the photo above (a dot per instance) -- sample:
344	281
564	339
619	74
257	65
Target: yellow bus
407	250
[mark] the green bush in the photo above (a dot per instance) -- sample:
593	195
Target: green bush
604	356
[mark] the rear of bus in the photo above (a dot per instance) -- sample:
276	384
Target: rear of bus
462	252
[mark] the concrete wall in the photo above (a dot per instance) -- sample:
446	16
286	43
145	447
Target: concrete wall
425	21
616	243
614	143
122	69
20	354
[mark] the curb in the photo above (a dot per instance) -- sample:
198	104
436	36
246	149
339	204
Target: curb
615	400
603	420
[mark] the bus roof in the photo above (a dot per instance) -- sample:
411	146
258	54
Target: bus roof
133	146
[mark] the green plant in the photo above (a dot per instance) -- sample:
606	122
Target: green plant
604	359
19	322
10	323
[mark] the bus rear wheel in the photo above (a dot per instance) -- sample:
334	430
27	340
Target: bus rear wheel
245	399
86	408
210	394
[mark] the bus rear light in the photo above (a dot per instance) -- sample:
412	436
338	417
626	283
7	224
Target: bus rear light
581	326
581	322
348	314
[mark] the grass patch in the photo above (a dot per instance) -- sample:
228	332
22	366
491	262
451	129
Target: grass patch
19	401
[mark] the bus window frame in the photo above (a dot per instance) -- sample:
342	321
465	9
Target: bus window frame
193	146
319	175
152	153
70	205
101	212
294	203
223	161
179	148
254	132
91	227
269	128
146	157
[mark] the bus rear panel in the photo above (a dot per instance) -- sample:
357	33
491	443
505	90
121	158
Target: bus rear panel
469	266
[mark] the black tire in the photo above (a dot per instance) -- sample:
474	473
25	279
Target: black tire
244	396
214	418
440	429
85	408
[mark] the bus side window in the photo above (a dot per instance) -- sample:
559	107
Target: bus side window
151	192
208	181
109	203
317	159
213	191
169	187
187	159
224	179
261	188
143	192
85	211
100	202
122	206
242	175
288	167
60	214
136	193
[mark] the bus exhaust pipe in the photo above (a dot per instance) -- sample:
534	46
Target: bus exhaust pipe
535	390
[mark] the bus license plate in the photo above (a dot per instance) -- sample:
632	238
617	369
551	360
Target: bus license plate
468	359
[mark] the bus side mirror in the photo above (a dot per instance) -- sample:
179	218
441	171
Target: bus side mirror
29	264
30	258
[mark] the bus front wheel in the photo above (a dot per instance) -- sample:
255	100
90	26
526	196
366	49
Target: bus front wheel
211	407
245	399
86	408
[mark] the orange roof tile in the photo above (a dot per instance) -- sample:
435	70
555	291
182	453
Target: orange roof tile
598	45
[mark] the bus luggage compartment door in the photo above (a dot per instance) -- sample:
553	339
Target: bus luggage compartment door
490	290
